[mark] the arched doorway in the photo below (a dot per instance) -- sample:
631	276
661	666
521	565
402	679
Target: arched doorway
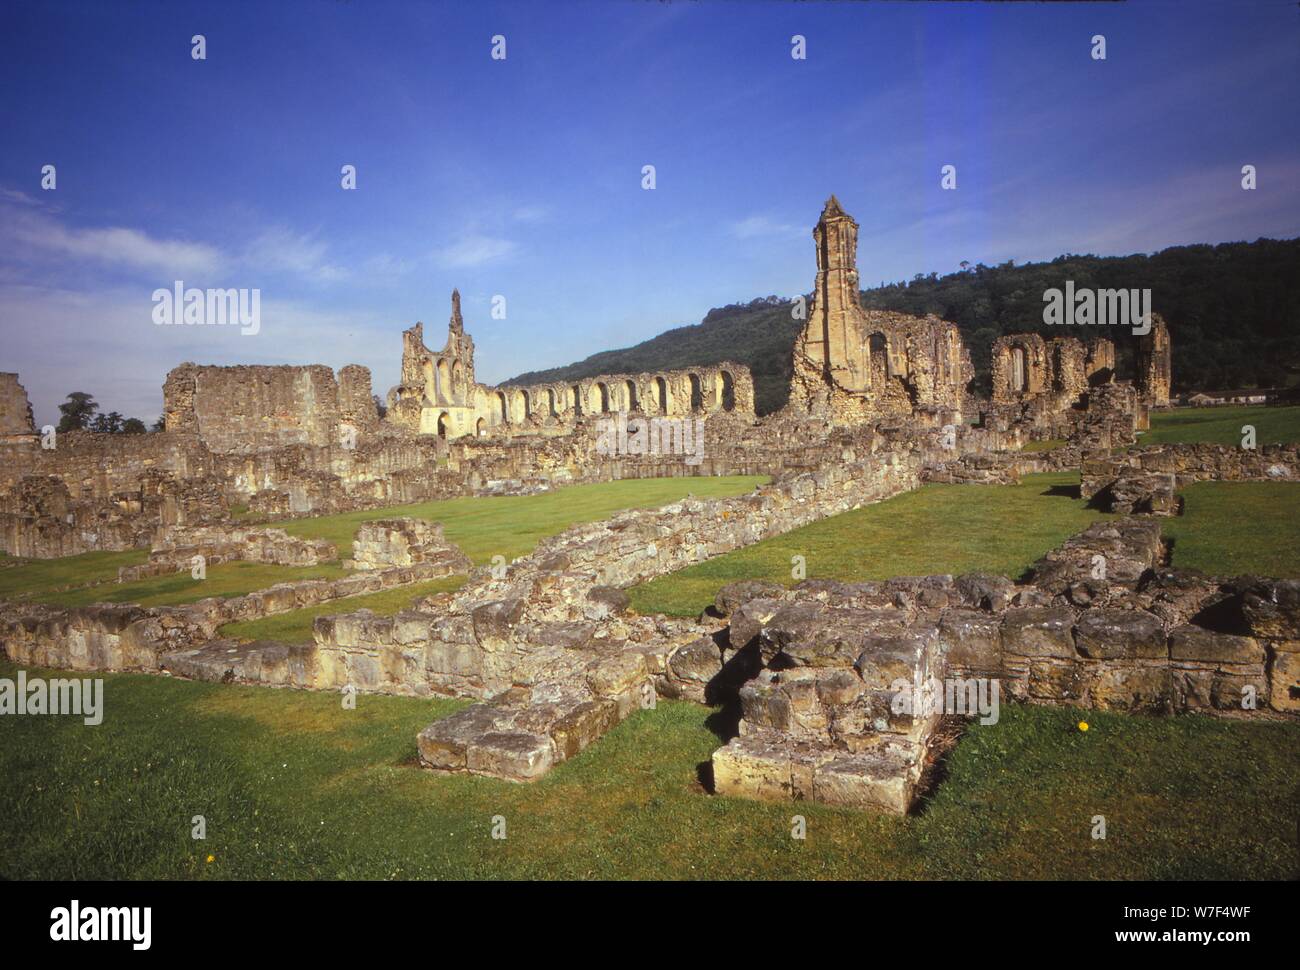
632	403
503	407
480	428
443	424
661	391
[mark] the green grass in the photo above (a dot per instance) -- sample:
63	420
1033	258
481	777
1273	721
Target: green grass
295	625
1047	444
511	526
1222	426
936	529
1232	528
21	578
293	786
483	527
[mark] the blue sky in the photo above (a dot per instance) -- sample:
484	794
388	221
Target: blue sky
522	177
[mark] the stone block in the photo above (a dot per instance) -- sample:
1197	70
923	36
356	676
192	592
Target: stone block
1105	634
512	755
1037	631
1194	643
864	781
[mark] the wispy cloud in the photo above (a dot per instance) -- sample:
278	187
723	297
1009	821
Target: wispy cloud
759	227
111	246
283	250
474	250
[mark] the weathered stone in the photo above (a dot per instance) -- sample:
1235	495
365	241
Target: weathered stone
866	781
1104	634
1194	643
514	756
737	594
1039	632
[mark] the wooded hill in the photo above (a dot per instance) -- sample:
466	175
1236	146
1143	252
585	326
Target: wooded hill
1233	312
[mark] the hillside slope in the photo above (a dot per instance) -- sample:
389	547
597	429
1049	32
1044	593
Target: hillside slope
1233	312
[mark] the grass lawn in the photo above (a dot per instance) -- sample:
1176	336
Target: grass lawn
293	786
483	527
1231	528
1222	426
1047	444
936	529
295	625
511	526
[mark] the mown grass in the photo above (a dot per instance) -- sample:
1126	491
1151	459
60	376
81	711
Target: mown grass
511	526
1231	528
1047	444
1222	426
21	578
936	529
295	625
294	786
484	527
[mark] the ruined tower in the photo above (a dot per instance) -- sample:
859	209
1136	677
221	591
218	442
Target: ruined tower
834	336
851	365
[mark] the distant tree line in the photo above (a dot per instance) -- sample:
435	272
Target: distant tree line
1233	312
80	412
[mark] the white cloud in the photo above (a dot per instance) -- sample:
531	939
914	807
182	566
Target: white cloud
474	250
281	249
758	227
114	246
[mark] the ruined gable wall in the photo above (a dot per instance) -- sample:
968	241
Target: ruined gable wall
15	409
246	408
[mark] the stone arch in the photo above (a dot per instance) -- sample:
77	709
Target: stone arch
444	424
519	407
727	390
480	428
550	401
503	408
458	381
632	403
661	395
697	392
576	392
602	392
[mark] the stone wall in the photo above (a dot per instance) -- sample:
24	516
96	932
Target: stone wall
439	396
844	683
1188	463
249	408
15	410
175	548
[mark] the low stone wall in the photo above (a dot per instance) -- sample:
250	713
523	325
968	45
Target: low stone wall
1192	463
174	550
135	638
382	543
828	663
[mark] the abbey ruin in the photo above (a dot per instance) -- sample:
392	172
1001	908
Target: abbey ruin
881	403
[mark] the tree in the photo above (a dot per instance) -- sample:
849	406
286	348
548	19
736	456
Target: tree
159	425
78	411
110	423
133	426
380	408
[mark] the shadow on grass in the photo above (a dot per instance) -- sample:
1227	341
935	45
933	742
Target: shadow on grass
1065	491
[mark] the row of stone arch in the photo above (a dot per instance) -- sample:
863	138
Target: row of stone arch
646	394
